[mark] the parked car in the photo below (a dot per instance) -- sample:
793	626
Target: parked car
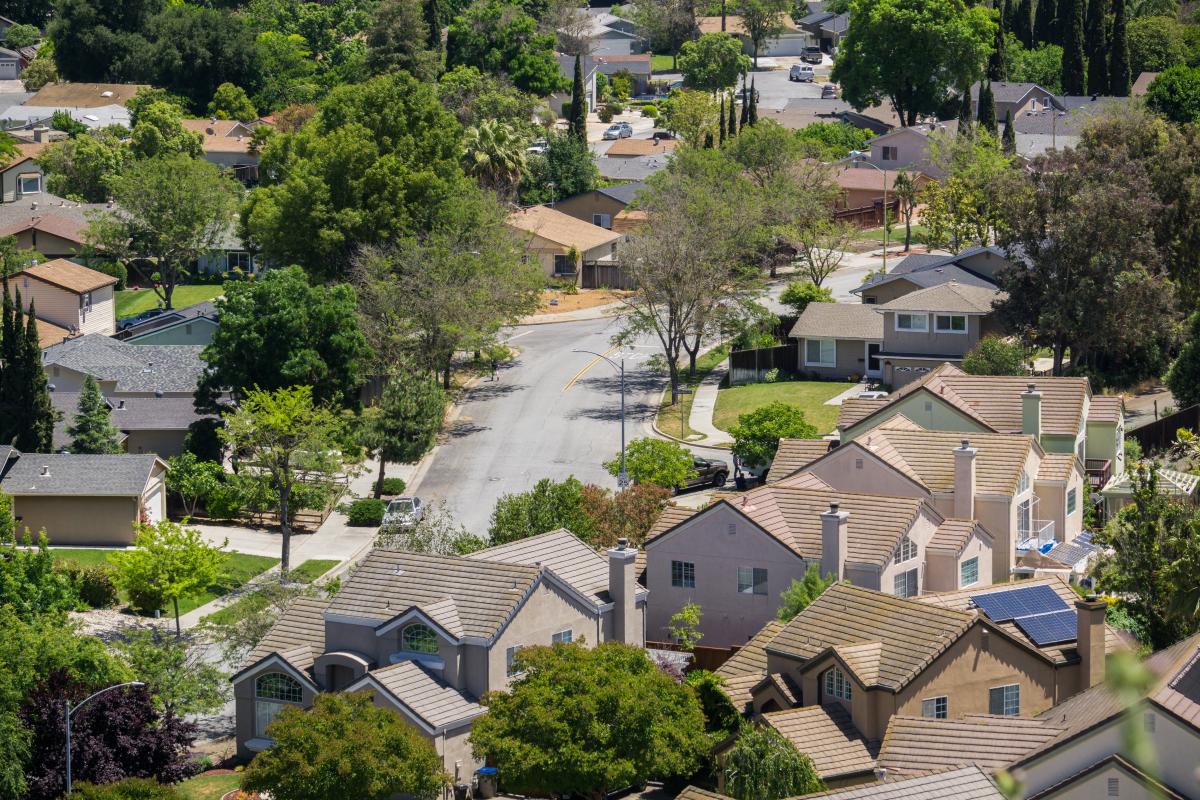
619	130
801	72
540	146
129	322
828	91
403	512
709	472
661	135
811	55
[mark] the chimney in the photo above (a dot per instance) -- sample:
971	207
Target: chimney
1031	412
622	587
964	481
39	133
834	544
1089	640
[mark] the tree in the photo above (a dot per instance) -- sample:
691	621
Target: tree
398	38
170	212
995	355
1096	47
577	118
345	748
585	721
405	423
473	96
175	671
232	102
548	506
798	294
84	166
831	141
282	331
1008	142
158	131
689	113
763	22
93	431
915	53
684	626
1155	44
1119	79
1022	26
713	62
763	765
238	628
666	24
1074	80
196	49
168	562
127	789
436	533
1045	22
504	40
29	583
101	40
721	718
962	208
801	593
906	190
27	416
628	514
566	169
997	67
658	462
40	72
757	433
1175	94
569	23
192	479
21	35
494	155
1183	379
288	71
987	108
1041	65
286	436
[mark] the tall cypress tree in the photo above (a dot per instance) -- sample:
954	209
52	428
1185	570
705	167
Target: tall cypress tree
92	430
1009	139
987	108
577	124
965	113
745	105
1095	48
997	69
433	18
1023	22
26	413
38	434
732	124
721	121
752	116
1074	79
1045	22
1007	12
1118	65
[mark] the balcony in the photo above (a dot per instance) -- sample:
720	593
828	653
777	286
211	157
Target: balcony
1039	536
1098	471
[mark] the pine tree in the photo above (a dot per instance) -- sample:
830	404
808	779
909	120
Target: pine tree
721	121
1045	22
433	19
26	413
987	108
1007	12
1073	71
732	125
1118	65
997	69
745	105
1095	48
577	124
752	116
92	431
38	436
1009	139
1022	26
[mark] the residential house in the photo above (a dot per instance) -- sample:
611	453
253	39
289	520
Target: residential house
966	783
800	112
600	206
29	116
563	244
1071	561
825	733
611	35
124	370
791	42
640	148
826	27
636	66
431	634
908	148
22	176
69	297
227	143
637	168
156	425
83	499
1070	420
795	454
1058	125
12	63
867	187
975	266
838	341
194	325
1016	98
1142	84
85	95
736	557
560	102
1025	498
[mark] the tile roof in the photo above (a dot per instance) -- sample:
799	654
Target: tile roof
803	480
560	228
220	136
795	454
856	409
1106	408
68	275
751	658
740	690
671	516
1058	466
84	95
696	793
1142	84
949	296
953	534
965	783
135	368
839	321
122	475
916	745
299	631
826	734
635	168
624	148
910	634
426	695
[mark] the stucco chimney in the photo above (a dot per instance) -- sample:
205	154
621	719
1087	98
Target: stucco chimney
1031	412
964	481
834	541
622	587
39	133
1089	617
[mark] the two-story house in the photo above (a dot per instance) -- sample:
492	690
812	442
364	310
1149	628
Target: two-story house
430	635
975	266
736	557
562	244
69	299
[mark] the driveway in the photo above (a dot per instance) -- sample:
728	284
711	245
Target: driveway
771	81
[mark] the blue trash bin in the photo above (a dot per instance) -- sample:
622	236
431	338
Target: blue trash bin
488	781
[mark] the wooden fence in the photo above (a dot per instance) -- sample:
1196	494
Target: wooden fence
604	276
750	366
869	216
702	657
1159	435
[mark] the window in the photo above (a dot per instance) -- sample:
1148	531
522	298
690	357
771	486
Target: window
683	574
1005	700
562	637
890	153
837	684
968	572
1023	483
912	322
935	707
869	299
563	266
906	550
1070	501
752	580
510	655
603	220
239	260
906	584
418	638
31	184
951	323
820	353
273	692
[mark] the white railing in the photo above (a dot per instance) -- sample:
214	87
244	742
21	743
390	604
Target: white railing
1040	532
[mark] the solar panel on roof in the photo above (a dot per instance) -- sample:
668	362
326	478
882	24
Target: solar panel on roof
1013	603
1053	628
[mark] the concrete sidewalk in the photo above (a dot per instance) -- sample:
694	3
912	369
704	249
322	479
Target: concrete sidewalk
596	312
704	403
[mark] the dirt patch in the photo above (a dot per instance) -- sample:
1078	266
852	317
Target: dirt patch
586	298
107	624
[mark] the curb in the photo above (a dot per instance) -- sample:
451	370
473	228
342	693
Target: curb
599	312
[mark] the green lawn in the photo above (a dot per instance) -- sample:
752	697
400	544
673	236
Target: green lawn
809	396
305	573
312	569
135	301
239	568
207	787
919	234
661	64
669	416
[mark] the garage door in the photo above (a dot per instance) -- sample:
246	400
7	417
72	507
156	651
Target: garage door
8	70
154	506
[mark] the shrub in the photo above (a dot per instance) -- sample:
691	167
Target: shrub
394	486
771	375
757	434
96	587
650	111
145	600
128	789
367	512
606	113
224	502
798	294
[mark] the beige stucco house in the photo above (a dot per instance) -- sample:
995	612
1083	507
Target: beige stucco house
908	148
837	341
562	243
69	296
600	206
227	143
429	635
83	499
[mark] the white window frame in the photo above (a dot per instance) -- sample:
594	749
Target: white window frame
234	259
912	319
510	654
935	707
602	221
686	573
427	634
962	572
906	550
1009	699
937	323
1023	483
837	685
562	637
828	358
907	583
752	580
268	706
37	182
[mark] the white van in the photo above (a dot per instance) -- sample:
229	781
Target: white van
801	72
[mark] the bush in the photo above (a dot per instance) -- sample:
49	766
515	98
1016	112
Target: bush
650	111
95	586
771	375
394	486
757	434
367	512
145	600
606	113
224	502
798	294
994	355
128	789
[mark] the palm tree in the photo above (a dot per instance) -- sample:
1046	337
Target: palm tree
494	154
906	192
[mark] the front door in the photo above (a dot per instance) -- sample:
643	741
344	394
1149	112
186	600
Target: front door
874	368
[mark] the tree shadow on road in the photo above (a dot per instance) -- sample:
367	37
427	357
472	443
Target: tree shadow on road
463	428
491	390
607	390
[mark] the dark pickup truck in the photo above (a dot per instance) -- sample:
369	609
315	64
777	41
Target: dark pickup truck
811	55
709	472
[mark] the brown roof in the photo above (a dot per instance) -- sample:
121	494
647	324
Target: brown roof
1142	84
299	632
953	534
1106	408
916	745
84	95
562	229
855	409
869	179
751	659
51	334
220	136
795	454
733	24
696	793
965	783
826	734
909	634
839	321
671	516
68	275
640	147
628	219
740	690
62	227
1058	467
949	296
25	151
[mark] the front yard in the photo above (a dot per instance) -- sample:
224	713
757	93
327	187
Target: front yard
208	787
134	301
809	396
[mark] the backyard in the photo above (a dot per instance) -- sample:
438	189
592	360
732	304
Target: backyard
134	301
808	396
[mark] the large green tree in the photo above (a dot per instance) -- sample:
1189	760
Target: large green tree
398	38
757	433
1074	64
175	670
494	155
92	430
1119	74
27	416
548	506
502	39
763	21
85	165
1175	94
585	721
195	49
1045	22
1096	46
101	40
403	426
764	765
657	462
577	118
1155	44
713	62
913	53
1184	377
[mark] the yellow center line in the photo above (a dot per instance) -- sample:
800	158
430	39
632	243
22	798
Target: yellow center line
586	367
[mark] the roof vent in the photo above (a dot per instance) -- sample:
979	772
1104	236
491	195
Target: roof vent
833	507
120	404
45	470
398	570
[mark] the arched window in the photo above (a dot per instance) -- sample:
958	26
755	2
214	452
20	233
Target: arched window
906	550
837	685
277	686
418	638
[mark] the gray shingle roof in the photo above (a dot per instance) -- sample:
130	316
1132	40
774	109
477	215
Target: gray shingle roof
135	368
623	193
968	783
300	633
630	169
206	309
840	321
136	413
87	475
950	296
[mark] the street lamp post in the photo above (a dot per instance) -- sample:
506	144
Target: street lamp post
859	157
622	476
70	711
